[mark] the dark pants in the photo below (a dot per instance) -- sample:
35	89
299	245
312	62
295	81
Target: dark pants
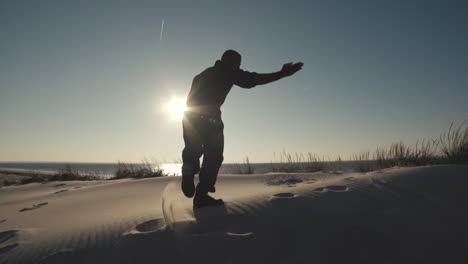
202	136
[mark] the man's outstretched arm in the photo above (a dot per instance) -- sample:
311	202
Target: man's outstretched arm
246	79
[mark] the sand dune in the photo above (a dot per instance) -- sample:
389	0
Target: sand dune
407	215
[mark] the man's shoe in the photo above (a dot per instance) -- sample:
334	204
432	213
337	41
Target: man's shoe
212	189
188	188
206	200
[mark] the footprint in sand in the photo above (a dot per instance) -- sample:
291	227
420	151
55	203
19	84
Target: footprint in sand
7	235
332	188
378	181
284	195
59	185
337	188
34	207
239	235
150	226
61	191
293	181
76	187
3	220
275	180
4	238
7	248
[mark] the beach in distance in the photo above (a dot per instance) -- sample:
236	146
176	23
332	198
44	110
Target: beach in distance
173	169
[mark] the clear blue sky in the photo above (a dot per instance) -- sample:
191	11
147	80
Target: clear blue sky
86	80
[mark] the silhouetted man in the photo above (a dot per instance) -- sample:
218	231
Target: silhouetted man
202	124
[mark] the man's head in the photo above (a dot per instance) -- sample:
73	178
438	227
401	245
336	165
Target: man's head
231	59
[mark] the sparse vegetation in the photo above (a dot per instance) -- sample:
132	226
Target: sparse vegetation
363	162
67	173
449	148
38	178
138	171
7	182
313	163
454	144
245	167
338	164
299	163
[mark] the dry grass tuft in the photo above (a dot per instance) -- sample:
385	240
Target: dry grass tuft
299	163
245	167
454	144
138	171
449	148
364	163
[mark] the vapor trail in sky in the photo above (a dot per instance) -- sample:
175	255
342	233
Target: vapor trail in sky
162	30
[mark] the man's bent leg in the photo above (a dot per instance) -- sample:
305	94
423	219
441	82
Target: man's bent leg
208	174
190	156
212	160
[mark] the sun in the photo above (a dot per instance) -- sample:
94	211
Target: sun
175	108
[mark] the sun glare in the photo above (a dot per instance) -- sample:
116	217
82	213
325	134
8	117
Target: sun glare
175	108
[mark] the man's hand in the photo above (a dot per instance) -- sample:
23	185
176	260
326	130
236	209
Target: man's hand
251	79
291	68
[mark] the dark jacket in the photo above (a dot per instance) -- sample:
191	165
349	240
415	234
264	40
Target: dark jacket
210	88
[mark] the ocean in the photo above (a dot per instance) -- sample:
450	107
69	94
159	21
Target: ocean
109	169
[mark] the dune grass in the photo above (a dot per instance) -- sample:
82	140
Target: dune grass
454	144
299	163
450	148
67	173
244	168
7	182
145	169
363	162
